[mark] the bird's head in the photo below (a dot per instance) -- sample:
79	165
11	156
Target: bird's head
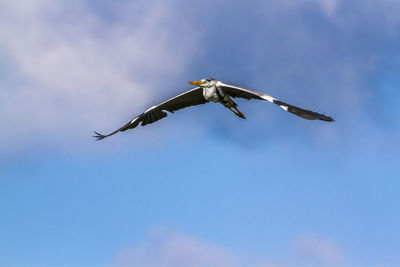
204	82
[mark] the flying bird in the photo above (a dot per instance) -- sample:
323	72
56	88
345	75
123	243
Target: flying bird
210	90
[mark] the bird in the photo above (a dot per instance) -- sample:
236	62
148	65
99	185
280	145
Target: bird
210	90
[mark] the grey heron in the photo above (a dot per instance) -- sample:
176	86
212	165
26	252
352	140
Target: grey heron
210	90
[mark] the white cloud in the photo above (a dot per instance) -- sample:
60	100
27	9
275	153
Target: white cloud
318	250
327	6
68	70
165	248
71	71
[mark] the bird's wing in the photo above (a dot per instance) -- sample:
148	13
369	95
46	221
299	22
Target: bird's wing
235	91
186	99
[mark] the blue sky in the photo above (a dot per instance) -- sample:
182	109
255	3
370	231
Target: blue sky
201	187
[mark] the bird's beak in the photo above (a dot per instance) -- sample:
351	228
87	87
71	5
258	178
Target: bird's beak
197	83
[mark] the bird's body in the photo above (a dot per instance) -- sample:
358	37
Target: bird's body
212	94
215	93
211	90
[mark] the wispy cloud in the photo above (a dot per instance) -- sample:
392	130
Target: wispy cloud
315	54
69	69
164	247
311	248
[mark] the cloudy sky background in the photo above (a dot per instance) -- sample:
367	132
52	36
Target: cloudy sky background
202	186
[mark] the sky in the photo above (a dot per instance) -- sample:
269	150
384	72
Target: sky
201	187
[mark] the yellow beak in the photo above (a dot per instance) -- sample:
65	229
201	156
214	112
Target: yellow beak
197	83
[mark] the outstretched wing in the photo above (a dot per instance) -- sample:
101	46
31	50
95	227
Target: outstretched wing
186	99
235	91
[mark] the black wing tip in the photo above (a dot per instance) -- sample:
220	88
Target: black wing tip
329	120
326	118
99	136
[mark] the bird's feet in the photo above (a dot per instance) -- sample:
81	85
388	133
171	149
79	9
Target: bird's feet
238	113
